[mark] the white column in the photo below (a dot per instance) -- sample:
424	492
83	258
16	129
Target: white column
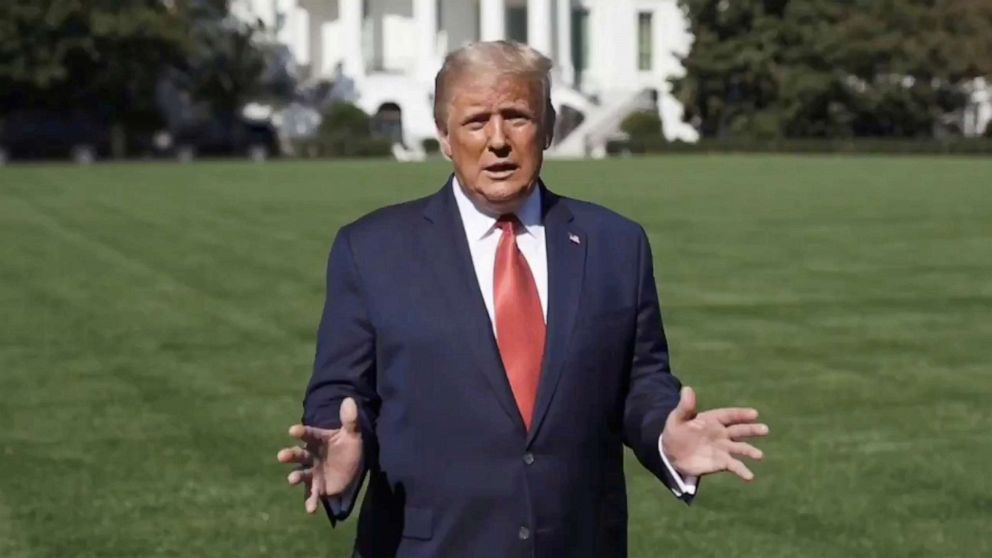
350	15
375	59
315	43
425	20
539	25
492	26
604	50
564	60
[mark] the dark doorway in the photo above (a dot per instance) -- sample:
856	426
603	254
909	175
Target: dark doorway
568	120
388	123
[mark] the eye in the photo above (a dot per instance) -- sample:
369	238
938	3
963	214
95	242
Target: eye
516	117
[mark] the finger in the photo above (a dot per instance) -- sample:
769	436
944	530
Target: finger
739	469
307	434
745	449
313	500
294	455
301	475
734	415
686	409
748	430
349	415
298	431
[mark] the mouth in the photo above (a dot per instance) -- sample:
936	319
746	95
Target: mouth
501	170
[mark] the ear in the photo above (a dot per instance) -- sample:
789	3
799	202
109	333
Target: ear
445	141
550	118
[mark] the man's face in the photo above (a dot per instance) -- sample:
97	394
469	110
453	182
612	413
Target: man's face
495	137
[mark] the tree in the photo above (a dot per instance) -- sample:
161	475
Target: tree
104	55
829	68
733	69
108	57
225	63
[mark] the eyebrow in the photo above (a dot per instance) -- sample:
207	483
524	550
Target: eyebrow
513	110
517	111
475	115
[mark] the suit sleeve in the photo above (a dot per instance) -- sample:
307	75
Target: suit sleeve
653	391
344	364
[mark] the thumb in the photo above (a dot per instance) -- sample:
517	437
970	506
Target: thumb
349	415
686	409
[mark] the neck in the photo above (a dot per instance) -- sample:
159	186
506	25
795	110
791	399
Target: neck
494	208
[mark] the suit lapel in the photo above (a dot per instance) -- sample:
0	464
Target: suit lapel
566	248
447	246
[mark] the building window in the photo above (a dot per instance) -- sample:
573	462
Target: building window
645	41
478	20
516	23
580	43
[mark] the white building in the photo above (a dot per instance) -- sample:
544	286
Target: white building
612	57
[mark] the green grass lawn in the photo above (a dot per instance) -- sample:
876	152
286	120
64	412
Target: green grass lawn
158	325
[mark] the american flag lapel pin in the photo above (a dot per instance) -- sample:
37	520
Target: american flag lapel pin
574	238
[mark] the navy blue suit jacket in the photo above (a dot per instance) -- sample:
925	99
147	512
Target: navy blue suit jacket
452	471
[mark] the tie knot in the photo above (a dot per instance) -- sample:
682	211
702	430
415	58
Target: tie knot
509	223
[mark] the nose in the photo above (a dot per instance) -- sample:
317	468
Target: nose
497	137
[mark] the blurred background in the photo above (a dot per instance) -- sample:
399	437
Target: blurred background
814	176
182	79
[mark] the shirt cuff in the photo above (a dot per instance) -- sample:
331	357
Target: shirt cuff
683	485
344	501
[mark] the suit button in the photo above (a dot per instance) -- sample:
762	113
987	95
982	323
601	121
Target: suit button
524	533
529	458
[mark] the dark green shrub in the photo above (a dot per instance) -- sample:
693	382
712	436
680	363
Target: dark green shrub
345	120
346	131
853	146
431	146
642	124
379	147
333	147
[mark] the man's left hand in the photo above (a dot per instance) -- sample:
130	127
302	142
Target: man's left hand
701	443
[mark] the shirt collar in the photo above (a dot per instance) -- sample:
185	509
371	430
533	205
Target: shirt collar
479	224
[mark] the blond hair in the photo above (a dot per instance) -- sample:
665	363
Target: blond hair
501	58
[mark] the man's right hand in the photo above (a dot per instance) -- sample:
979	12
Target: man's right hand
331	459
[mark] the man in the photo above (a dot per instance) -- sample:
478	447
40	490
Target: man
485	352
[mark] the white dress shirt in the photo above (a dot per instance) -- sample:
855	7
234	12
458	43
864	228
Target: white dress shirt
483	239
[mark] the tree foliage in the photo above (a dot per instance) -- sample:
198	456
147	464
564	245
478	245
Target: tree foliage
225	63
109	56
832	68
77	53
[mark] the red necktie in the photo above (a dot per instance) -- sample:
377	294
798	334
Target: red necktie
520	326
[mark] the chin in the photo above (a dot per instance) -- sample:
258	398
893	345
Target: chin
505	193
508	188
